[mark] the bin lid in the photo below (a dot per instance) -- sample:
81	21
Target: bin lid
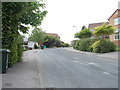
4	50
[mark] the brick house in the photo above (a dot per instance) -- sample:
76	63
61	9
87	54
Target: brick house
53	35
93	25
114	20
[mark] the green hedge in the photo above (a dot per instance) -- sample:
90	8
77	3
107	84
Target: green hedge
94	45
84	44
103	46
16	52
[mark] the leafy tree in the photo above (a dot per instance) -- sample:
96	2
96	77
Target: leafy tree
64	44
14	16
57	42
84	33
38	35
49	41
104	30
52	41
83	27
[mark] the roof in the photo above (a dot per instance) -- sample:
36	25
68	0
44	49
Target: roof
93	25
114	13
53	34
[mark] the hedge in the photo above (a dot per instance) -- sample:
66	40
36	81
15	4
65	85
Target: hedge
103	46
84	44
95	45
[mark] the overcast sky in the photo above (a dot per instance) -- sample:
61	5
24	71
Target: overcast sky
64	14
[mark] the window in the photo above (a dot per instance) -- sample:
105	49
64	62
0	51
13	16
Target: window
117	36
117	21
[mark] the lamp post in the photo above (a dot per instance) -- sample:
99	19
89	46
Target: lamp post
76	28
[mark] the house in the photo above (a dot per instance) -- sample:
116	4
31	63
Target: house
114	20
53	35
93	25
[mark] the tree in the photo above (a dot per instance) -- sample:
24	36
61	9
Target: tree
38	35
49	41
84	33
14	16
83	27
104	30
57	42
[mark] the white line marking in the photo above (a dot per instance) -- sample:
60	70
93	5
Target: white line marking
79	62
93	64
106	73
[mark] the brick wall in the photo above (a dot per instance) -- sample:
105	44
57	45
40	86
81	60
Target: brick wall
111	22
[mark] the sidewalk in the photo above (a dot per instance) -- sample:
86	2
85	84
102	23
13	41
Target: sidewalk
24	74
111	55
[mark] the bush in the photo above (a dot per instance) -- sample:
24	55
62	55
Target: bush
66	45
35	46
20	52
76	46
13	56
84	44
103	46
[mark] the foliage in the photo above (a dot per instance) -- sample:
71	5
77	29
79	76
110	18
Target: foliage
64	44
84	44
84	33
118	48
104	30
14	16
19	47
103	46
35	46
49	41
57	42
83	27
38	35
76	44
52	41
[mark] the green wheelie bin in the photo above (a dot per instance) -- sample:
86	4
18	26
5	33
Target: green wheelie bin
3	60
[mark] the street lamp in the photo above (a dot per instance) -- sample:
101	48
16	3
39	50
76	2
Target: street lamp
76	28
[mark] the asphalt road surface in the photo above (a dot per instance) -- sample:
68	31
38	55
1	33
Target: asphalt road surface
61	68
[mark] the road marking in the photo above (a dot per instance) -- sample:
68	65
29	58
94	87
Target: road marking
79	62
93	64
75	58
106	73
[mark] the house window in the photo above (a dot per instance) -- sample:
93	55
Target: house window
117	21
117	36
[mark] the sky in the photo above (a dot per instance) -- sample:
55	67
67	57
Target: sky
64	14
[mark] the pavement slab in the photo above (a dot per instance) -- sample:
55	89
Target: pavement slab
24	74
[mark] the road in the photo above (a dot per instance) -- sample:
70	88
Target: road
61	68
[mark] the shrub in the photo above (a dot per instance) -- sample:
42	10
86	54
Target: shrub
103	46
20	52
35	46
84	44
76	46
13	56
66	45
